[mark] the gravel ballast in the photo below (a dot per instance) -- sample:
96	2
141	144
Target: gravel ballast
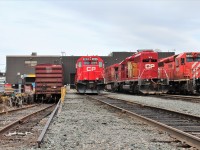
87	124
176	105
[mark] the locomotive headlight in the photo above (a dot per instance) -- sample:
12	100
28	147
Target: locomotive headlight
85	78
147	80
161	79
97	78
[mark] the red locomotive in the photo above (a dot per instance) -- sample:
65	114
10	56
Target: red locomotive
136	74
182	72
89	74
49	80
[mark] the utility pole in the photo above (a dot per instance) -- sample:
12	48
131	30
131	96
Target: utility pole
63	53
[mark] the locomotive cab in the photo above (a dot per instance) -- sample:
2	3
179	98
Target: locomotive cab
183	71
90	74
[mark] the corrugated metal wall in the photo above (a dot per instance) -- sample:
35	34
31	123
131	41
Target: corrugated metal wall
16	64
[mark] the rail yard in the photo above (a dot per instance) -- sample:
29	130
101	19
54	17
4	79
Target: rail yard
84	122
99	75
140	103
89	124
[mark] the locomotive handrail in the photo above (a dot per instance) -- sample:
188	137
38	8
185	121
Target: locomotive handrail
166	75
196	71
139	77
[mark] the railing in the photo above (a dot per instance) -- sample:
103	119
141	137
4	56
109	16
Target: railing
161	70
196	74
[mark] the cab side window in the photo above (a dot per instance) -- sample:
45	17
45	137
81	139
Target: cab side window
79	64
182	61
177	62
100	64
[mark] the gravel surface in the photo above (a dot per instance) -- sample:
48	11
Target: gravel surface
87	124
176	105
13	116
25	135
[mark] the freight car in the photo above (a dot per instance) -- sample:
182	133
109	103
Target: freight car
89	74
136	74
49	80
183	72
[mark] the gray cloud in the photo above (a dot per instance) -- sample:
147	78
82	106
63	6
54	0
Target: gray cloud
98	27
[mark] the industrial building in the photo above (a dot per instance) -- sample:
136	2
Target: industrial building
20	69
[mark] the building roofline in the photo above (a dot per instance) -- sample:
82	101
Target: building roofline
33	56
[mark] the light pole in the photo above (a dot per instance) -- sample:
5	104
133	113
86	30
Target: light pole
19	80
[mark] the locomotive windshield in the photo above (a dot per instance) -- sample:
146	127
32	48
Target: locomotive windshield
149	60
90	61
192	59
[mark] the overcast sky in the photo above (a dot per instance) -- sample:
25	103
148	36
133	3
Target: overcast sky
97	27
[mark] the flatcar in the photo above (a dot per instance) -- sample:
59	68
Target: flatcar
136	74
49	80
89	74
182	72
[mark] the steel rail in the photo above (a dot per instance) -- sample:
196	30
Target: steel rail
181	135
18	109
40	138
195	99
22	119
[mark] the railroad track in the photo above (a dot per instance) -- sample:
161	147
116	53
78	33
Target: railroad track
17	109
195	99
17	129
40	138
184	127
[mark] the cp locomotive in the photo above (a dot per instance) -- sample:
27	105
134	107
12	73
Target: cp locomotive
182	72
136	74
49	80
89	74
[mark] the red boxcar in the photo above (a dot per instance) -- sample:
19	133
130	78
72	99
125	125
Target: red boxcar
182	72
89	74
137	74
49	80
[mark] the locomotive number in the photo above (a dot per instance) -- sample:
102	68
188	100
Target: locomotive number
91	68
149	66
